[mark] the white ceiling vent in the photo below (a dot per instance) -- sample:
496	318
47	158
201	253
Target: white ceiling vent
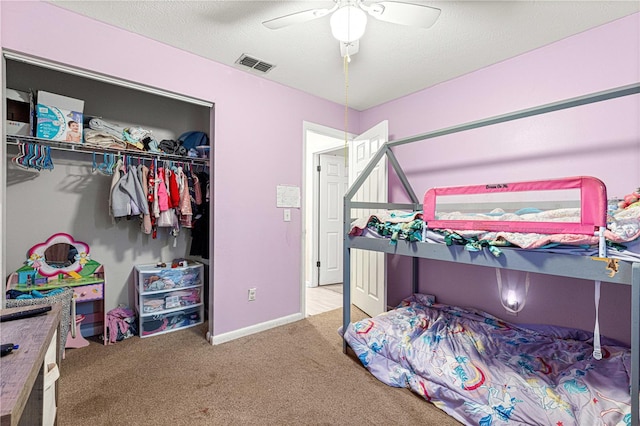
255	64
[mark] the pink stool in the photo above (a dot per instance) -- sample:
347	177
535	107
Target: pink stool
78	341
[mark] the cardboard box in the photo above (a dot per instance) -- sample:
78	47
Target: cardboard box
59	117
19	113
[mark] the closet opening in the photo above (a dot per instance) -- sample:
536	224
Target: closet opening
73	196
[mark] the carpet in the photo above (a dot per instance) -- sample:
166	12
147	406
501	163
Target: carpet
295	374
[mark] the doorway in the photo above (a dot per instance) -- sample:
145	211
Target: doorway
368	269
329	145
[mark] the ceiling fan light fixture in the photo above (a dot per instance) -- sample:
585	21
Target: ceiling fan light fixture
348	23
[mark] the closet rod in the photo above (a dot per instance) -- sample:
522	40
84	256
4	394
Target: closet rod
90	149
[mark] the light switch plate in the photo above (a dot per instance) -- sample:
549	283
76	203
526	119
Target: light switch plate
287	215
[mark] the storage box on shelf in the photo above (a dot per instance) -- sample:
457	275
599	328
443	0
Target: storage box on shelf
168	299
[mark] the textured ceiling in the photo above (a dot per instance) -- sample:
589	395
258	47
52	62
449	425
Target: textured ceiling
393	60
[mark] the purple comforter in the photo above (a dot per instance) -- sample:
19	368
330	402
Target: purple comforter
484	371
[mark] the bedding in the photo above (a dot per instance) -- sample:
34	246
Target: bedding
622	234
484	371
527	227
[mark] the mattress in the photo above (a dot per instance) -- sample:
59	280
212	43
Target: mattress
483	370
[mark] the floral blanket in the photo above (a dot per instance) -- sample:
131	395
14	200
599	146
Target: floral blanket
484	371
623	227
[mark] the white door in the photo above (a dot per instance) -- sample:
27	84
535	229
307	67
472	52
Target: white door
333	182
368	274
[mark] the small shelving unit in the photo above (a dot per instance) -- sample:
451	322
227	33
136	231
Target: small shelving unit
169	299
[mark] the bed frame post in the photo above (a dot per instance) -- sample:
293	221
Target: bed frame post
415	263
346	270
635	342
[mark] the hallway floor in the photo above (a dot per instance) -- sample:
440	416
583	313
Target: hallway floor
323	298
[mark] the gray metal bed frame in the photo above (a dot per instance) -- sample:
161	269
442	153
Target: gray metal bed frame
563	265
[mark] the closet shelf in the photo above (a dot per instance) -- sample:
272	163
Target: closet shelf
90	149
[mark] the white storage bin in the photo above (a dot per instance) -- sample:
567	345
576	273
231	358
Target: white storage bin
168	299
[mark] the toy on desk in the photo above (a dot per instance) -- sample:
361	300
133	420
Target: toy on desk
58	259
61	269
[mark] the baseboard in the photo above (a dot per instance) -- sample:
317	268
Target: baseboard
257	328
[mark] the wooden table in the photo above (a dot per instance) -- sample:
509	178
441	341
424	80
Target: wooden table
25	374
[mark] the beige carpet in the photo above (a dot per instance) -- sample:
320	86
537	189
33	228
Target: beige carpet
295	374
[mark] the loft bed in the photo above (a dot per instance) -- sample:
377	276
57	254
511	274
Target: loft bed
417	314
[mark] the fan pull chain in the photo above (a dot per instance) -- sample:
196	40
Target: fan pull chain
346	60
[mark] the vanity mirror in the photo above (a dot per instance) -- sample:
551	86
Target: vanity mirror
59	254
58	263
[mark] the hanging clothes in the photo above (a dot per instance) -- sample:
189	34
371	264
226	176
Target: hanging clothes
163	193
127	197
161	197
174	191
118	172
185	199
200	230
139	203
152	199
143	175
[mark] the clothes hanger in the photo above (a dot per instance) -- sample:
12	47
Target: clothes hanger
23	160
39	158
30	155
104	166
112	163
43	157
47	162
19	155
18	159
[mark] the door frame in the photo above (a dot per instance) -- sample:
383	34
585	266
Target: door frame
309	232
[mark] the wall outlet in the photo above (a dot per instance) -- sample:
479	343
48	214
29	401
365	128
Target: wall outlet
252	294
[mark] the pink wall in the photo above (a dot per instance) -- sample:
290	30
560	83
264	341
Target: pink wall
258	145
602	140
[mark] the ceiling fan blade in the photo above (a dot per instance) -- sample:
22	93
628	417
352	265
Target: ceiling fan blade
296	18
415	15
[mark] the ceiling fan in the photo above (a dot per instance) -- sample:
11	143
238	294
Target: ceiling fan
348	19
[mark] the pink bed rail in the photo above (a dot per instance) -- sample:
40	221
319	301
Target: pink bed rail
593	207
